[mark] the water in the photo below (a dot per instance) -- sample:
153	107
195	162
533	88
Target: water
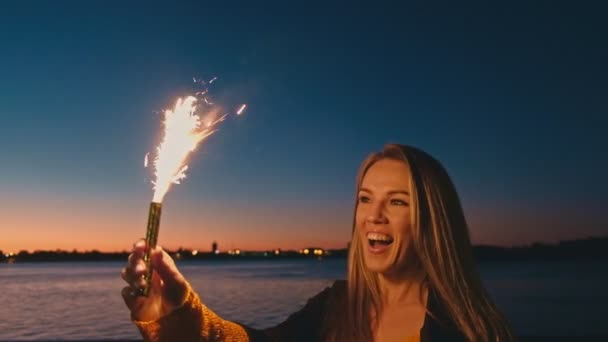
82	300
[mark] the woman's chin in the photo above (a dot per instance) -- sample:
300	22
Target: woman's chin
377	264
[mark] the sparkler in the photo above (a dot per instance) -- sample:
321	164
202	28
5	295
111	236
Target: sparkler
183	132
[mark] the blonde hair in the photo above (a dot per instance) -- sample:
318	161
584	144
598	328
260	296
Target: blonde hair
440	244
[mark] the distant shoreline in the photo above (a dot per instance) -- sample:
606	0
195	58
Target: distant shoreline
582	249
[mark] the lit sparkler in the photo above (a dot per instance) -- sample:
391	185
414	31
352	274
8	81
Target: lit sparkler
183	132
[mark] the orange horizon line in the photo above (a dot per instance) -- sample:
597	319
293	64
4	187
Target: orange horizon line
220	249
167	250
312	245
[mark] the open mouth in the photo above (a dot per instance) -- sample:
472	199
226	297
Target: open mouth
379	239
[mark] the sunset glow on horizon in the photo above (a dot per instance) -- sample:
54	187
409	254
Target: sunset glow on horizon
70	224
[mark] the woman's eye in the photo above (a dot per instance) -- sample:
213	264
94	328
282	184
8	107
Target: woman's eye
398	202
364	199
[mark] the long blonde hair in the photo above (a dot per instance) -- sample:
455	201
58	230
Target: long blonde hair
441	245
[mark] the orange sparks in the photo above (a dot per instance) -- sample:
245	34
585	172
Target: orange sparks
181	136
183	131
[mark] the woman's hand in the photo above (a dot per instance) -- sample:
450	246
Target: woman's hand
168	289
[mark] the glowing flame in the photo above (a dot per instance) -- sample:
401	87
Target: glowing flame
183	131
181	136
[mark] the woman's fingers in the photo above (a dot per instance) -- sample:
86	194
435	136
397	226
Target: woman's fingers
133	277
133	301
124	274
136	264
134	273
127	294
168	287
137	253
139	247
165	266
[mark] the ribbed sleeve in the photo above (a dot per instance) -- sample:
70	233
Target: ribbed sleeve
192	322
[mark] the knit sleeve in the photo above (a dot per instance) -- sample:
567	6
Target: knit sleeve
192	322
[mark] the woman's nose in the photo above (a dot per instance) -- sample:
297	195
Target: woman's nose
376	214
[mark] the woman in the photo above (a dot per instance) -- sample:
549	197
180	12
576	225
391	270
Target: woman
411	274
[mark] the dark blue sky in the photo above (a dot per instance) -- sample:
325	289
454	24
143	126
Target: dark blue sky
511	99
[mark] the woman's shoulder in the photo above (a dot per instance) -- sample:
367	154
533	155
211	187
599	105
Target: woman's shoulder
339	286
329	295
337	290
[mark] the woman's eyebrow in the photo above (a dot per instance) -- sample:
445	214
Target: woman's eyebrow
392	192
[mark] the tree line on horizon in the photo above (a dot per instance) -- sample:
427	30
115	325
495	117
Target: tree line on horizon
588	248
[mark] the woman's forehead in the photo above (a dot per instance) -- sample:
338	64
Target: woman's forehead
387	173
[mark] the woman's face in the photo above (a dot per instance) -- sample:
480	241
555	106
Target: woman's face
383	218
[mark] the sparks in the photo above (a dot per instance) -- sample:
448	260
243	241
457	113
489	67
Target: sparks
182	134
241	109
218	120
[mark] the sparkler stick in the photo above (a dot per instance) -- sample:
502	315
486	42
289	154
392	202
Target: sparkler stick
183	131
182	134
151	239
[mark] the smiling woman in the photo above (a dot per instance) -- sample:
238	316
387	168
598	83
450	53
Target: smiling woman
382	211
411	275
411	270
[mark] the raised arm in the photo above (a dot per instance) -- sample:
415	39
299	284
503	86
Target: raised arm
174	312
196	322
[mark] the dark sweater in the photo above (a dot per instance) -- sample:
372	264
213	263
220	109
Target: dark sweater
307	324
195	322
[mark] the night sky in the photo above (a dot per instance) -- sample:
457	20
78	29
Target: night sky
512	100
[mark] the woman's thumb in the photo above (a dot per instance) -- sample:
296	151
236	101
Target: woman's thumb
173	281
